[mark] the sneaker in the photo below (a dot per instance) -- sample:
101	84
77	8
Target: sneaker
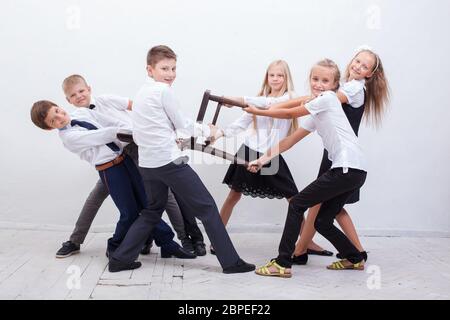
68	248
200	249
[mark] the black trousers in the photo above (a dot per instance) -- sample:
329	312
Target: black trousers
332	189
192	197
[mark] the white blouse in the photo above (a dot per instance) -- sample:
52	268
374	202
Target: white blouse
269	131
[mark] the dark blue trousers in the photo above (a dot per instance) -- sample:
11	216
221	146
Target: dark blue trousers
125	185
192	197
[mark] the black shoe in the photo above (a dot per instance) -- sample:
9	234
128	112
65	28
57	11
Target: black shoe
325	253
300	260
200	249
364	255
116	265
240	267
68	248
179	252
211	249
146	248
187	245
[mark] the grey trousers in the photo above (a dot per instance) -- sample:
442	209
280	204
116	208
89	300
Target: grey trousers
99	193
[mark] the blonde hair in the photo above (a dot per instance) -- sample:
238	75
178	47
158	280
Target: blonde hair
328	63
288	86
72	80
377	90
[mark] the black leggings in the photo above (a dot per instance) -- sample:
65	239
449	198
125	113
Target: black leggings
332	189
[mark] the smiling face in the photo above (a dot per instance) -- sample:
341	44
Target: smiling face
78	94
164	71
362	66
322	79
57	118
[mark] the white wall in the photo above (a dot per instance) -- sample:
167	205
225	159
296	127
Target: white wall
225	46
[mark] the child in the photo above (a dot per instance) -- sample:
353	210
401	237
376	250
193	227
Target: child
365	81
277	87
156	117
93	136
78	93
334	187
365	92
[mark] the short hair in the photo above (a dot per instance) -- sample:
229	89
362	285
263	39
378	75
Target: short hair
158	53
72	80
39	112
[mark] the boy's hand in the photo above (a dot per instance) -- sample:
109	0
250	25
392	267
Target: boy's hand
216	133
254	166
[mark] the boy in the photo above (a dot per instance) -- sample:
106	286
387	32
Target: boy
92	136
156	117
78	93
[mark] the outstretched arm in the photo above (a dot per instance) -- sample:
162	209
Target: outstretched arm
292	103
289	112
281	147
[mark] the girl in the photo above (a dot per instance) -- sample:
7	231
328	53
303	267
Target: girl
277	87
365	92
335	186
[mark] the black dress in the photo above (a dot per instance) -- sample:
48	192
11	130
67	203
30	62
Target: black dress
278	185
354	116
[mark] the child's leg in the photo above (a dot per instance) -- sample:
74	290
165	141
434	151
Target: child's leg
176	218
194	198
228	206
324	224
90	208
146	222
162	233
332	184
307	232
310	232
346	223
120	187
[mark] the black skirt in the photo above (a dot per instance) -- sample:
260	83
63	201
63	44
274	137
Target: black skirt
278	185
325	165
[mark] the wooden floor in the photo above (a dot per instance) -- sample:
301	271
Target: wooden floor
398	268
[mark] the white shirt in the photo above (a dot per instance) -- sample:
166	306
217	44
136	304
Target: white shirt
156	118
354	91
328	118
269	130
114	106
90	145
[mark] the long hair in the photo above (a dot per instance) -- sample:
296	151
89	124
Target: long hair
288	86
377	90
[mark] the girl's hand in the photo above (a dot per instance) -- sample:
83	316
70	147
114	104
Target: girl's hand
251	109
254	166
